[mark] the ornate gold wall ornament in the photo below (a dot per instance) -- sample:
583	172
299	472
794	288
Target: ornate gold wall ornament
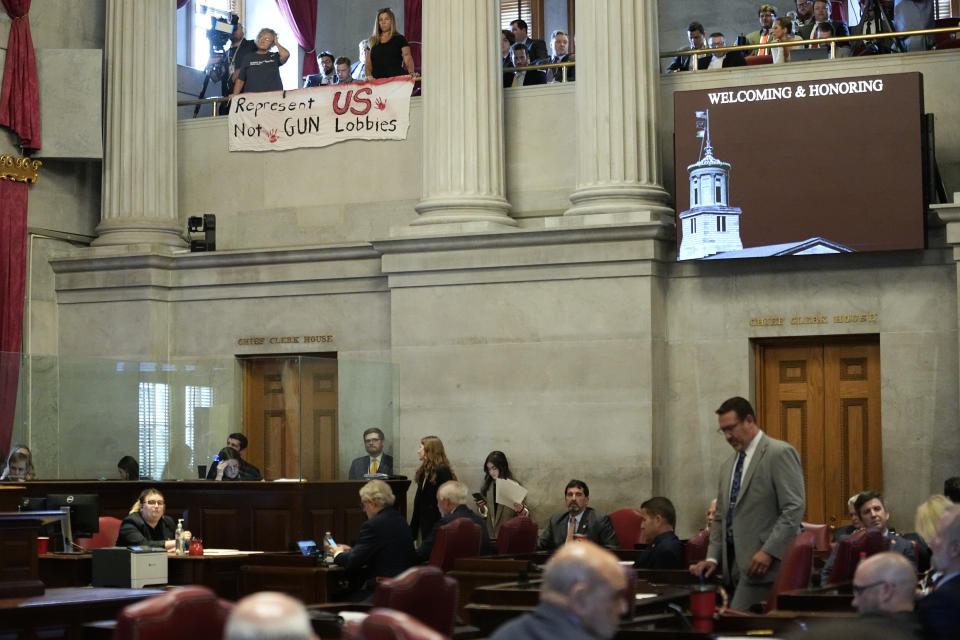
18	169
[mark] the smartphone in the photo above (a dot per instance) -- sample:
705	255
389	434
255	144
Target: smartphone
479	497
330	542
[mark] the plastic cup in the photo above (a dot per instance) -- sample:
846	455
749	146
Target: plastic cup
43	545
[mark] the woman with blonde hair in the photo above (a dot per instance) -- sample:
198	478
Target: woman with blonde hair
389	53
925	525
433	471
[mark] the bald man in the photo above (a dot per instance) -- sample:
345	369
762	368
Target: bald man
581	598
269	615
883	594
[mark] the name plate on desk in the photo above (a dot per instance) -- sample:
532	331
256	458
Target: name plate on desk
129	568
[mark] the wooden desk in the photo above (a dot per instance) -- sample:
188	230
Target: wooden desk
61	613
302	577
817	600
19	569
266	516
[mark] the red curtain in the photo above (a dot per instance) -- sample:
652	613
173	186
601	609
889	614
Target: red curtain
413	29
20	97
13	263
302	16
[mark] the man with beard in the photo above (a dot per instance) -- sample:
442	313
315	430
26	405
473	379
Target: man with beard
578	521
376	461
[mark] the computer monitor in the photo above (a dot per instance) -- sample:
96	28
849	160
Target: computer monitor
84	511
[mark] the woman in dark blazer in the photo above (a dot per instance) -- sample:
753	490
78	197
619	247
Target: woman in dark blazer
434	470
146	525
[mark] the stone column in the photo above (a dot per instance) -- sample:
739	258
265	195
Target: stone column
139	166
463	174
618	160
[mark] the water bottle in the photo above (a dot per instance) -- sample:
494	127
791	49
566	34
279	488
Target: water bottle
178	539
328	550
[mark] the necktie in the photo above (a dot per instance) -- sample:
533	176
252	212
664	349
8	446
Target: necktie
571	528
516	80
763	40
734	493
374	465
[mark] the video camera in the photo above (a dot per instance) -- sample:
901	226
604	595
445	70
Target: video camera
218	35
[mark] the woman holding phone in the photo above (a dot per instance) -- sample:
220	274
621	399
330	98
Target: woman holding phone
496	467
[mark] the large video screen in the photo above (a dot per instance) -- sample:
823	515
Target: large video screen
799	168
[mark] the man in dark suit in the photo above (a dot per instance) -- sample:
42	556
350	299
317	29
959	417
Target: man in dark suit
385	545
664	549
560	43
940	609
760	504
872	509
695	35
722	60
873	20
536	48
581	598
578	521
821	17
376	461
523	78
452	502
883	594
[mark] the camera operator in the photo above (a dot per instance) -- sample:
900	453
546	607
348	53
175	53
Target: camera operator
233	58
874	19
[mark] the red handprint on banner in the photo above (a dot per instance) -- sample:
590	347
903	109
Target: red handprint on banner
272	135
380	104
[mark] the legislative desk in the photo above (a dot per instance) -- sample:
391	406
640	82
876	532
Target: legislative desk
61	613
832	599
263	516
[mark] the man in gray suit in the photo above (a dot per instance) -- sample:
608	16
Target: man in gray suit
376	461
760	505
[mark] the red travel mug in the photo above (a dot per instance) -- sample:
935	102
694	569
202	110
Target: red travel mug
703	602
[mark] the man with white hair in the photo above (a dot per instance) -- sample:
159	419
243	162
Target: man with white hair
581	597
268	615
940	609
883	593
384	547
452	502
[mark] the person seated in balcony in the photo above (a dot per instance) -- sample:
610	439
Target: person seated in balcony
343	70
697	40
822	21
874	20
359	68
327	75
721	60
523	78
560	43
147	524
767	13
128	468
782	32
260	70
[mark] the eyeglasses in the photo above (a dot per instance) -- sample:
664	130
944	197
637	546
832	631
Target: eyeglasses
728	429
858	590
154	503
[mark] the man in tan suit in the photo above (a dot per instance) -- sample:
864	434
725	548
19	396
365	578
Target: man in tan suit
760	504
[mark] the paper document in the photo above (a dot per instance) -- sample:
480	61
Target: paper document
509	492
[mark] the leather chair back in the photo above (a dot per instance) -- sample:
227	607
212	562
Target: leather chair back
425	593
517	535
628	523
458	539
105	537
695	549
754	60
795	567
867	542
182	612
386	624
822	536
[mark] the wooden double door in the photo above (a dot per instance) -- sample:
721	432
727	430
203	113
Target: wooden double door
290	416
823	397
